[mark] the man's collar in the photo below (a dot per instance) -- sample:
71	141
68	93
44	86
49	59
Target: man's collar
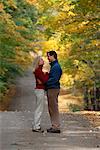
52	63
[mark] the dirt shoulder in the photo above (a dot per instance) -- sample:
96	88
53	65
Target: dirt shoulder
70	103
94	117
6	99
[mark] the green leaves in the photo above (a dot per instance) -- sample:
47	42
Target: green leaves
17	32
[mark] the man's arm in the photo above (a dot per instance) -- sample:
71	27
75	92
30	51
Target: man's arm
56	74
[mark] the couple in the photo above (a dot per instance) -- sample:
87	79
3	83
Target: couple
50	82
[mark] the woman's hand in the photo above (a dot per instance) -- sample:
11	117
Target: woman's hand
39	82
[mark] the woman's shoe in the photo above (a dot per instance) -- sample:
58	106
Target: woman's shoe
38	130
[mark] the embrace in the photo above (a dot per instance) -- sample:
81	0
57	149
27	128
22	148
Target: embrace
48	82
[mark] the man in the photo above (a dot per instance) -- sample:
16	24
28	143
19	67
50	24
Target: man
53	89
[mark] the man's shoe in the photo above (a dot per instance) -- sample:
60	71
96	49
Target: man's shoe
38	130
52	130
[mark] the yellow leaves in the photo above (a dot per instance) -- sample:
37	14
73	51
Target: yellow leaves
20	39
12	4
71	28
64	51
84	23
32	2
62	15
70	13
45	45
43	5
83	72
66	7
3	71
8	23
95	42
22	58
1	7
82	26
60	12
67	80
77	27
10	31
67	10
51	44
20	27
4	17
76	62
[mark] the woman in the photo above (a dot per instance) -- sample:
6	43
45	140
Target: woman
41	79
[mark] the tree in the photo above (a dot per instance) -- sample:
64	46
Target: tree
74	25
17	31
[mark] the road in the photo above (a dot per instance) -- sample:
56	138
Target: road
16	123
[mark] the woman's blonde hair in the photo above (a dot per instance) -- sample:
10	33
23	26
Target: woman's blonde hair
36	62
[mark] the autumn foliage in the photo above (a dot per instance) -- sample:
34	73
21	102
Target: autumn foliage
17	32
71	27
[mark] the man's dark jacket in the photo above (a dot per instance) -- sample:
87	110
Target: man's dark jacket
54	76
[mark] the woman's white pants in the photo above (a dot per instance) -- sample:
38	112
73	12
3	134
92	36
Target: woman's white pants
40	98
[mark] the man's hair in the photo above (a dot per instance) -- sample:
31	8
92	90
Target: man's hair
52	53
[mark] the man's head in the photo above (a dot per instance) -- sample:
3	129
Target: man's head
52	56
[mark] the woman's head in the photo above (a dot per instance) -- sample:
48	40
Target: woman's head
41	62
38	61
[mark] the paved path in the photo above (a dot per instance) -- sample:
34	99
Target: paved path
15	125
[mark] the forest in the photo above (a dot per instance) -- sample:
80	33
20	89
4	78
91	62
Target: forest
71	27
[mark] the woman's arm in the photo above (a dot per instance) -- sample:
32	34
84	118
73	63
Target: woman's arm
40	75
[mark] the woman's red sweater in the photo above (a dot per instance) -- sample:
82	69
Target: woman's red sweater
41	76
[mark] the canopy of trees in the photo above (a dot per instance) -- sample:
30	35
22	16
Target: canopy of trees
17	32
71	27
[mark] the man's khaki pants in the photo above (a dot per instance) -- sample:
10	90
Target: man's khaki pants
52	96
